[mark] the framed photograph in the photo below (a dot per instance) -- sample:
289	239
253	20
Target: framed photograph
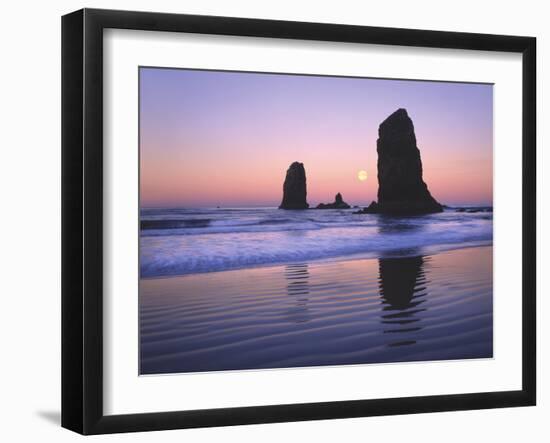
269	221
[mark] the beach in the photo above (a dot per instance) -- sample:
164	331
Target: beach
387	304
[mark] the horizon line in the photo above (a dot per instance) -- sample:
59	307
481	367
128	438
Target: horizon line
260	205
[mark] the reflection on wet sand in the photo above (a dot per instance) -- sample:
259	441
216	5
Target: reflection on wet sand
297	276
403	288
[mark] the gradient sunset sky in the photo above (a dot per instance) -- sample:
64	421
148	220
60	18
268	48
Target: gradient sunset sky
211	138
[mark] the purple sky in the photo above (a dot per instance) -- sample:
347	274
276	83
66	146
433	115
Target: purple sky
223	138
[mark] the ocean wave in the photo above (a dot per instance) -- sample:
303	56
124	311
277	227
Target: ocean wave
249	240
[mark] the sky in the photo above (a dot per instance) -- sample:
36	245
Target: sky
215	138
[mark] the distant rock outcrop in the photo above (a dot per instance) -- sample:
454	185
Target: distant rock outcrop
338	203
294	188
401	189
475	209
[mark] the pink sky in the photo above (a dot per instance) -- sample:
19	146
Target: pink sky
226	139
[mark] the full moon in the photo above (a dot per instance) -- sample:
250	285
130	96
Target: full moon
362	175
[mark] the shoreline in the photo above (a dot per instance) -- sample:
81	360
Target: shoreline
430	250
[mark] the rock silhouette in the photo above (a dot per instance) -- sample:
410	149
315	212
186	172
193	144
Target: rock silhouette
338	203
401	189
294	188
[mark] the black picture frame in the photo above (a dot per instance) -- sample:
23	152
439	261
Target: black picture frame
82	218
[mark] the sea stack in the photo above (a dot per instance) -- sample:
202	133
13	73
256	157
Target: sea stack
401	189
338	203
294	188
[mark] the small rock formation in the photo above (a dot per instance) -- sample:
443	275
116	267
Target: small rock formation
338	203
401	189
294	188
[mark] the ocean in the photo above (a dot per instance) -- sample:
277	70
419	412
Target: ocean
262	288
188	241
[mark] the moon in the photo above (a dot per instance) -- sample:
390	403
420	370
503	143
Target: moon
362	175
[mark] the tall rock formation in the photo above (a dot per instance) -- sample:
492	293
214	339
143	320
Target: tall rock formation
294	188
401	189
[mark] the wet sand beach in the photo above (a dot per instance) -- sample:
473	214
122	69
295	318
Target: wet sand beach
321	312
